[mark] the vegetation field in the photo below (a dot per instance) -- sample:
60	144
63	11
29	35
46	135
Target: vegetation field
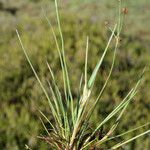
20	94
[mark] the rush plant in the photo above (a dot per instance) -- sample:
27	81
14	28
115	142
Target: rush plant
71	128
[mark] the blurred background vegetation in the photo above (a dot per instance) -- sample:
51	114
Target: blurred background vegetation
20	94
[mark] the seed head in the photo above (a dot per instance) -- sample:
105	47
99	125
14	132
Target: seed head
125	10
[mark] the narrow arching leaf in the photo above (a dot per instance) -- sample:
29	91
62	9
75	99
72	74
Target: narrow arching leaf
86	61
48	121
64	61
130	131
94	73
130	140
38	79
59	52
